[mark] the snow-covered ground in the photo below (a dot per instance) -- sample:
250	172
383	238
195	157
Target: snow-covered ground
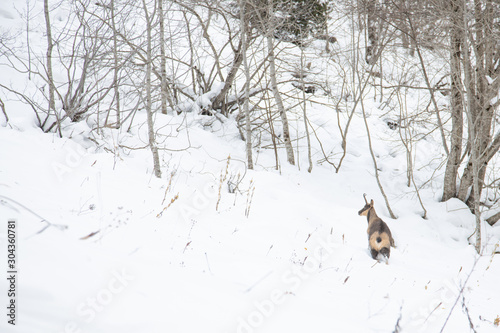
299	261
104	246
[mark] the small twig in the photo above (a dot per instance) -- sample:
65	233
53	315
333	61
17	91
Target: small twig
304	262
2	106
308	236
43	229
169	204
468	315
430	314
377	177
348	263
49	224
223	177
168	186
185	247
269	249
493	255
397	328
459	294
208	264
192	226
90	235
258	281
251	191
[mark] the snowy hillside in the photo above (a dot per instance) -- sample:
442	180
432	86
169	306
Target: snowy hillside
105	246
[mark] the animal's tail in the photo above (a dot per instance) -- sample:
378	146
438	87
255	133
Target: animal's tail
386	252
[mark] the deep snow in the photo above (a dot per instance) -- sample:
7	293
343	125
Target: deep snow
104	246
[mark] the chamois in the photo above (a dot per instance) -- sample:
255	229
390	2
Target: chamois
379	235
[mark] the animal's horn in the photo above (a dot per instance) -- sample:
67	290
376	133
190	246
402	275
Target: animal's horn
364	196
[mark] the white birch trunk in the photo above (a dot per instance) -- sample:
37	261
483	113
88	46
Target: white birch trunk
50	46
149	111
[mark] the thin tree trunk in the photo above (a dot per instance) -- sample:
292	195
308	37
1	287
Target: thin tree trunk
375	166
481	68
2	106
372	29
149	111
191	54
457	109
271	129
473	141
428	84
476	195
218	103
163	60
116	64
28	18
493	219
50	45
304	109
276	93
246	109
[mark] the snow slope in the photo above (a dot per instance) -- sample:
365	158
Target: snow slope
299	261
104	246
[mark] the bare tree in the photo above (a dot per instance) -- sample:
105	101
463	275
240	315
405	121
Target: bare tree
149	111
2	106
482	90
304	108
373	25
454	160
475	79
50	46
116	63
163	61
246	108
271	27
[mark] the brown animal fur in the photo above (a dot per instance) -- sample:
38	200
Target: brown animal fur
379	235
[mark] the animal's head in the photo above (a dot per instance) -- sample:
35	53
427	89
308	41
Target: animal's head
366	208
